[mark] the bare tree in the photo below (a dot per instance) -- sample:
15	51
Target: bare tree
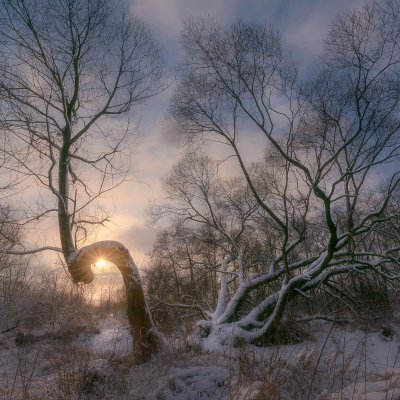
332	165
71	75
211	220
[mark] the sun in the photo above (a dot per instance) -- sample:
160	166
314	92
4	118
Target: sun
100	263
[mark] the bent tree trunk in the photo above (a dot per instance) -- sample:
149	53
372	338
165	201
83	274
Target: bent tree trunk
146	339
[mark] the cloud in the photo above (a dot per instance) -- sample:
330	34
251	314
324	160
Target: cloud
307	23
167	16
166	19
139	239
170	134
303	23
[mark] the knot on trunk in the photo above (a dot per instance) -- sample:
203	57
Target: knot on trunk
81	271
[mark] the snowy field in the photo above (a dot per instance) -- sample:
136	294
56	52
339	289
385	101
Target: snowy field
93	362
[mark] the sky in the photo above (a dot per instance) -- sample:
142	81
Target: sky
303	25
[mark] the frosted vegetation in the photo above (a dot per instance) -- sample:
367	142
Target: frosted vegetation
56	344
271	278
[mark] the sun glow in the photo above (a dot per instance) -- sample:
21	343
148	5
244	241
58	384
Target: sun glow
100	263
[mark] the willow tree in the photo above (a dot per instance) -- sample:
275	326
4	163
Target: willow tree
327	143
71	75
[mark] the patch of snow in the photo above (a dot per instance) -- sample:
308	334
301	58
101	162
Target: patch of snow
113	337
384	389
195	383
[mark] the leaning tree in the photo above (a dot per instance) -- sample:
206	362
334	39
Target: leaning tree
326	187
71	75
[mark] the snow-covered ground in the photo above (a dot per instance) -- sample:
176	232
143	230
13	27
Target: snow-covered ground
93	362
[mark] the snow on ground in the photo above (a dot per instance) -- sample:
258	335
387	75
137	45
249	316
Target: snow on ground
192	383
342	362
368	365
388	389
114	336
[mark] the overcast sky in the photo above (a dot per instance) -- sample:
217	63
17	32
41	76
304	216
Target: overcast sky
303	24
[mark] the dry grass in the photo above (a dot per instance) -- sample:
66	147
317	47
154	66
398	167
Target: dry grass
72	375
41	316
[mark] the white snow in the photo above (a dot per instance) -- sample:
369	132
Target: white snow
194	383
352	364
114	337
388	389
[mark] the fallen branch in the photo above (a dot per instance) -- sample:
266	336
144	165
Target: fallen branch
178	305
323	317
12	328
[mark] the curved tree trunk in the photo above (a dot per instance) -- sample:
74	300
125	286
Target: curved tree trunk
146	339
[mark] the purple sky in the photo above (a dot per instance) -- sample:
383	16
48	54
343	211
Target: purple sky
303	24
